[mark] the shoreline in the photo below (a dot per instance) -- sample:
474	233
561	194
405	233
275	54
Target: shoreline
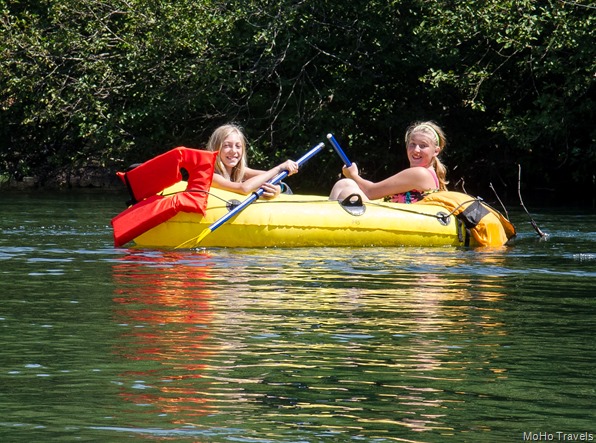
91	179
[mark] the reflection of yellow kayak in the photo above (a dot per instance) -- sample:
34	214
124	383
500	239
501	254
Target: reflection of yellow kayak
306	221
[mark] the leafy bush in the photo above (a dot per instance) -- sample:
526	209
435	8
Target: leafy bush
113	83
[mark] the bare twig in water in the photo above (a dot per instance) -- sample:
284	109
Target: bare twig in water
463	185
532	222
502	205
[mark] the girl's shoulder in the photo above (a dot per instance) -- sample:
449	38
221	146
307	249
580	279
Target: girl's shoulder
423	172
414	171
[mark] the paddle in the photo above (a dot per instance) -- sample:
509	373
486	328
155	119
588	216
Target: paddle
253	197
352	203
339	150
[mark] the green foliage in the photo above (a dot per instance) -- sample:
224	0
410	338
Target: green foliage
84	81
528	67
112	83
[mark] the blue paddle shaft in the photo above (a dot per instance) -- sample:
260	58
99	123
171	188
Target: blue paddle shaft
339	150
255	195
283	174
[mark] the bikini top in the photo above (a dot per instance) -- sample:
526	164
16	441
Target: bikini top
414	195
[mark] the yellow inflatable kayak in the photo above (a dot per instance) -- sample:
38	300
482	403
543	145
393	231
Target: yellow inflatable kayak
189	213
311	221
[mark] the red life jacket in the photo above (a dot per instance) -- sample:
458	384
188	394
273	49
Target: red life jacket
146	180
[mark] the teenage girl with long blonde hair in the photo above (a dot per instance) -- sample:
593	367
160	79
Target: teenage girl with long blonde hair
426	174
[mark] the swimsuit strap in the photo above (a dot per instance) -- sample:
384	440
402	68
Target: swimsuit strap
435	177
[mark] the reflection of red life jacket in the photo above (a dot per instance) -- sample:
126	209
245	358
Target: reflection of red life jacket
151	177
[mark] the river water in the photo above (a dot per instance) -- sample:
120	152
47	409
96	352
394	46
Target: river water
291	345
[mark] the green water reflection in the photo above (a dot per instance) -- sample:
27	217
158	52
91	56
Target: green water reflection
395	344
379	356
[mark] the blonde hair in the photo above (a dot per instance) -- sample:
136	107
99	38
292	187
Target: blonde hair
215	143
436	134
